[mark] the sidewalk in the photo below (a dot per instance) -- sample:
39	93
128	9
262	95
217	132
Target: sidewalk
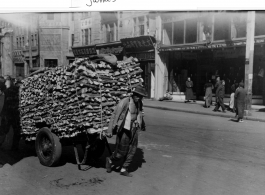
257	113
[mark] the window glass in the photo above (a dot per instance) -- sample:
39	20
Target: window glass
191	31
221	27
167	33
178	37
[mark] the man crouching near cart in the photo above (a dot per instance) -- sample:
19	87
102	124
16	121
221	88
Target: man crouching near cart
126	122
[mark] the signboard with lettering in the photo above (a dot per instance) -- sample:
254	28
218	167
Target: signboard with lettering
144	55
225	44
84	51
138	44
115	48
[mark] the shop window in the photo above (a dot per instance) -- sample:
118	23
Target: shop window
86	36
167	33
36	39
259	23
178	37
50	63
222	25
191	31
23	42
17	42
50	16
73	39
32	40
239	25
20	70
141	29
90	35
35	64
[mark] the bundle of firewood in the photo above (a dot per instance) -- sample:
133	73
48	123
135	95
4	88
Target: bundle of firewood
76	98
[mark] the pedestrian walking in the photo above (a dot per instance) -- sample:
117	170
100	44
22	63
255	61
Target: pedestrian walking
240	96
10	113
189	91
220	93
217	84
208	87
126	122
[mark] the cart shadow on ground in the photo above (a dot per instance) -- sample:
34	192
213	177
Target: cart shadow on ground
11	157
68	156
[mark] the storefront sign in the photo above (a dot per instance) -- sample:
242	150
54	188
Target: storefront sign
115	48
84	51
144	55
18	56
226	44
138	44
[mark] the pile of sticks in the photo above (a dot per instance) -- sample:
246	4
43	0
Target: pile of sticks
76	98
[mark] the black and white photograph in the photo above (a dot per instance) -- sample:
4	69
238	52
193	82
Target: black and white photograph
97	99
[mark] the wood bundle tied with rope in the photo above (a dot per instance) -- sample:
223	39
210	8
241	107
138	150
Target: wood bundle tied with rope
76	98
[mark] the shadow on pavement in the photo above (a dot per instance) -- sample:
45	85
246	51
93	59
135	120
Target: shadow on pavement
12	157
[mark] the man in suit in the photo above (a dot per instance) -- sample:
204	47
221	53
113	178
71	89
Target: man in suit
220	93
10	112
126	122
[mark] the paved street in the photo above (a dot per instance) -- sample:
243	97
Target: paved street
180	153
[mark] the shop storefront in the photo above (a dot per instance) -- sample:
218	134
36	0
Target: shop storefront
203	63
143	49
18	60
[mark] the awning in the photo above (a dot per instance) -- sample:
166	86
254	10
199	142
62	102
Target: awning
138	44
115	48
84	51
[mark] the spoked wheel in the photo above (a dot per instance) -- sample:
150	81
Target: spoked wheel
48	147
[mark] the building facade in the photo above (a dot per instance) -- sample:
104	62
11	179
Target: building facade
200	45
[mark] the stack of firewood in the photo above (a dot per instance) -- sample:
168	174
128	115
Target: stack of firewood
76	98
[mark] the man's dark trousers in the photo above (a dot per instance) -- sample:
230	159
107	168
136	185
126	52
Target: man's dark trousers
220	102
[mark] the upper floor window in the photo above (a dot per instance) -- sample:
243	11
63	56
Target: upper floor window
178	36
167	33
191	31
50	16
259	23
222	27
239	25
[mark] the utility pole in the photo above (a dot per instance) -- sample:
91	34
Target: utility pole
249	60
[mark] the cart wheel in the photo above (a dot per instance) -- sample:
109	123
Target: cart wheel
48	147
96	149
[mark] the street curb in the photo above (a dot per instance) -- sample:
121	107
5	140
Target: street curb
203	113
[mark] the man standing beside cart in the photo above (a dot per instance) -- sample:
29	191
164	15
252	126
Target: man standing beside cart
125	122
10	112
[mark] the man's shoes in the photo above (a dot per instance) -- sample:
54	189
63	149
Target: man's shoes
108	165
224	111
240	121
126	173
214	110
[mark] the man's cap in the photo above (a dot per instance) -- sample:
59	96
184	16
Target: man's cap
139	90
241	84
